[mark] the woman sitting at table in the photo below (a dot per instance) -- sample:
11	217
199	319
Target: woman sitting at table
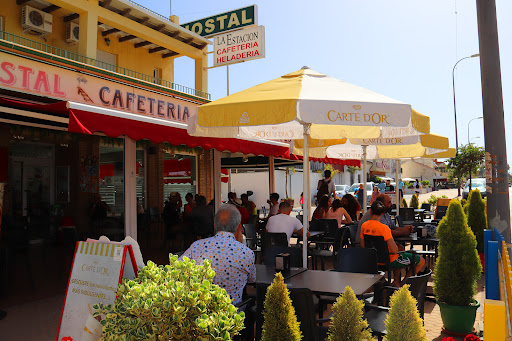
339	213
351	205
323	206
374	227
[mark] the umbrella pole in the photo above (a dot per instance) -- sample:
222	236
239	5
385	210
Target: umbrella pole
397	181
365	200
306	197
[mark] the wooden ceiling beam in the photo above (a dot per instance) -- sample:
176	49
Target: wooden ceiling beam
51	8
125	12
156	49
126	38
144	20
141	44
21	2
107	32
71	17
159	28
170	54
106	3
175	34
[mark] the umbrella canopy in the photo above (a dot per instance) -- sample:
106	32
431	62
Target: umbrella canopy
305	104
408	180
379	148
279	108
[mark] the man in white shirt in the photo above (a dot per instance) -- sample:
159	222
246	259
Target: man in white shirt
282	222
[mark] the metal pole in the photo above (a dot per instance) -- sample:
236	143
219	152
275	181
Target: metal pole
455	112
227	79
365	200
498	206
306	196
476	118
397	181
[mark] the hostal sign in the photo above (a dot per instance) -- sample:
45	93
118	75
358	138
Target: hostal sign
239	46
224	22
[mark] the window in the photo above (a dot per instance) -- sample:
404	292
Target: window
112	177
106	60
179	174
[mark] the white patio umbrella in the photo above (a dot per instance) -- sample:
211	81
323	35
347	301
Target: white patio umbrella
307	103
418	146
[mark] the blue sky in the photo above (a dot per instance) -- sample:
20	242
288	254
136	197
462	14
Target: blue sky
404	49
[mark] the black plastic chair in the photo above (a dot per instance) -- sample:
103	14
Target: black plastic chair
407	215
251	237
376	315
378	243
269	257
356	260
353	233
427	213
329	244
270	239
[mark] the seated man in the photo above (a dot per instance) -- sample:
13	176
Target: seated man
274	204
232	261
386	220
373	227
282	222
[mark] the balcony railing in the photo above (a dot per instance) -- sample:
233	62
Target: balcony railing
15	39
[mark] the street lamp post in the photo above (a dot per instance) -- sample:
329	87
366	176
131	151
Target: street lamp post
455	108
476	137
476	118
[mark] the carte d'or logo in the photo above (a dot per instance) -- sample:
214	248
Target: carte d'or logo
356	107
320	143
245	118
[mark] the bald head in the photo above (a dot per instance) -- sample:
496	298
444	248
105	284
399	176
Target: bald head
385	200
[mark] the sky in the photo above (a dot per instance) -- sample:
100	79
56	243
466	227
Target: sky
404	49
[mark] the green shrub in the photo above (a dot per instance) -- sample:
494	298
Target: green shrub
280	322
376	179
425	183
172	302
404	321
404	203
463	202
444	196
433	202
477	218
347	323
458	266
415	203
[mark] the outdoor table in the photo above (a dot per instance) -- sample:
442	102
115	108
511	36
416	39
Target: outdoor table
333	282
266	273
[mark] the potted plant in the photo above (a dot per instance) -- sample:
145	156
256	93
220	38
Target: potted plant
404	203
172	302
415	203
280	322
477	220
404	321
347	323
456	271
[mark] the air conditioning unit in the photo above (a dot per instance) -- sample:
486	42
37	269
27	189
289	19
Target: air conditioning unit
35	20
72	32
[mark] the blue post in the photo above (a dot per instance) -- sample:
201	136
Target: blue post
487	238
492	280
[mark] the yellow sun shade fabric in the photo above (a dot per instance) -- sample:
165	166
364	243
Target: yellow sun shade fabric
420	122
272	102
447	154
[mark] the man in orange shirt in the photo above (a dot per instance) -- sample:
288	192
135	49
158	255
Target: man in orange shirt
374	227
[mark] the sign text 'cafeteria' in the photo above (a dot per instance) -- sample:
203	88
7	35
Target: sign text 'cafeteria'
239	46
224	22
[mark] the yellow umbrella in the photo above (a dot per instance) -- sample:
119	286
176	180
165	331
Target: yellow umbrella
307	103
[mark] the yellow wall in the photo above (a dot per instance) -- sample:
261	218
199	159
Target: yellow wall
139	59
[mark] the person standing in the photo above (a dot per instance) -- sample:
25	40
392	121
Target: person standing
401	188
361	195
375	194
326	186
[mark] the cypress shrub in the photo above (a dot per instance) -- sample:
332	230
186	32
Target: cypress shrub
404	203
347	322
415	203
280	322
403	321
458	266
477	218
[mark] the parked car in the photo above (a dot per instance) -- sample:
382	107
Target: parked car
477	183
369	189
341	190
